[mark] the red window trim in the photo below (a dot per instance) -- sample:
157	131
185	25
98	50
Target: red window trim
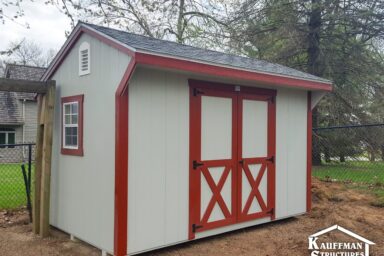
79	151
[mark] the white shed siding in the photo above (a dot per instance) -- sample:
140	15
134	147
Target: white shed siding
82	197
158	160
159	155
291	152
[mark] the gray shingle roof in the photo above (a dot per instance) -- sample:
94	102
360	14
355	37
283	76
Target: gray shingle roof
10	109
24	72
153	45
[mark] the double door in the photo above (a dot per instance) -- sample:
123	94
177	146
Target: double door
232	155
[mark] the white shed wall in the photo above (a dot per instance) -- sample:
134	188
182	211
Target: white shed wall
159	154
82	197
291	152
158	159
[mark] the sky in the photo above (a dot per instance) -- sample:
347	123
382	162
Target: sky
47	26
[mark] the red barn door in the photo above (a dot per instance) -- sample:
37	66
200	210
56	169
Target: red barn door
231	156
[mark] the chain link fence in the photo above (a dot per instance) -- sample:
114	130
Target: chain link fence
347	154
350	154
16	172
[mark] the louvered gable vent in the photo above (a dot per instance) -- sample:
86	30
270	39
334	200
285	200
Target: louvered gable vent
84	59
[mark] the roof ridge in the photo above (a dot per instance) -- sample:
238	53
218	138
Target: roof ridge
173	42
195	47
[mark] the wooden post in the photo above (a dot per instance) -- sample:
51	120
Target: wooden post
43	155
46	159
38	161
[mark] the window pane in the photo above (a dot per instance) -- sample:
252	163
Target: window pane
74	119
2	139
67	119
74	140
11	138
74	108
67	109
68	140
71	136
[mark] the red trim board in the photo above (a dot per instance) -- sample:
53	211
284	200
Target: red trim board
121	163
201	68
309	152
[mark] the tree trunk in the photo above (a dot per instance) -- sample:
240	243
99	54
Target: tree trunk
180	22
372	156
313	52
342	158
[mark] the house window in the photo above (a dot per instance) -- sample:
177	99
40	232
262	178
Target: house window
7	136
72	125
84	59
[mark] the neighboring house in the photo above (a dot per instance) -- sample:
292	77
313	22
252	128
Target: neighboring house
200	142
18	111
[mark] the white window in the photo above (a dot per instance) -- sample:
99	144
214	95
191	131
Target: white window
84	59
7	136
71	125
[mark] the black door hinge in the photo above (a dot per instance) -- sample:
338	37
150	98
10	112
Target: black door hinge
271	159
195	227
197	92
271	211
196	164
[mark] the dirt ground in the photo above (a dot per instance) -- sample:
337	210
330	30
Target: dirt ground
332	204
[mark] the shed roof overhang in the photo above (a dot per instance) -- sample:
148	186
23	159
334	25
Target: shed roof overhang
176	63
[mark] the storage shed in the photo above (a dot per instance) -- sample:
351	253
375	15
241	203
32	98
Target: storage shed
157	143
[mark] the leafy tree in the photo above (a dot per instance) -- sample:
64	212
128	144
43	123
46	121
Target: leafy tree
339	40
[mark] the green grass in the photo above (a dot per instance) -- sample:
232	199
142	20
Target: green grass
357	172
12	188
361	175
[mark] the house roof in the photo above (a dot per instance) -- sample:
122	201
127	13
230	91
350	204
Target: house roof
174	56
148	44
24	72
10	110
